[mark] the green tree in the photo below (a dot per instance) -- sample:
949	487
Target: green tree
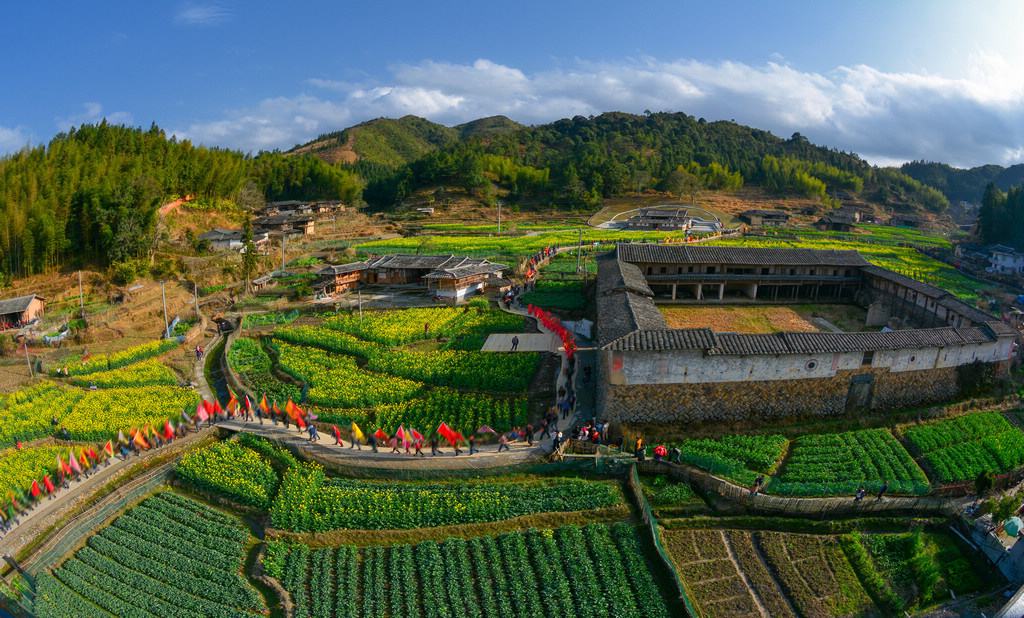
249	257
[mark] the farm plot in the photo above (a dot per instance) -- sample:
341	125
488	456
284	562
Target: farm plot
145	373
25	414
105	362
738	458
960	449
308	501
597	571
149	561
840	463
248	358
336	381
18	468
100	414
814	574
711	576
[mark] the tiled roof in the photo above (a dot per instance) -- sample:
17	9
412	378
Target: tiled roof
17	305
622	312
466	270
669	339
614	275
918	286
706	254
417	262
341	269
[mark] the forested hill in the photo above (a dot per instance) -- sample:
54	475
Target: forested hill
91	195
580	160
964	185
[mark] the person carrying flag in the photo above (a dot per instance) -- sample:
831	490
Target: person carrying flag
337	436
357	437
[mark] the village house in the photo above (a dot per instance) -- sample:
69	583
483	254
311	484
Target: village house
445	276
221	239
21	310
286	224
836	222
764	218
1005	260
901	220
338	278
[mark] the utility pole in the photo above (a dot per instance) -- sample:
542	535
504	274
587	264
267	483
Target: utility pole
359	296
284	240
81	296
499	218
579	251
195	292
163	297
28	360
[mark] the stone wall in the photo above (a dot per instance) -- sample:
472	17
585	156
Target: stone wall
728	401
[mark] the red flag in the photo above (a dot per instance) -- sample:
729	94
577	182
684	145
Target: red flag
64	468
248	403
140	441
208	406
201	413
444	431
217	408
74	464
417	436
35	489
300	422
263	404
168	430
381	435
48	484
298	411
108	448
277	410
93	455
233	401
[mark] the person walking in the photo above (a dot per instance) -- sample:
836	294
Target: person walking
545	429
515	342
503	443
337	436
639	450
861	492
472	445
758	482
556	442
529	434
372	441
884	488
418	445
433	445
314	435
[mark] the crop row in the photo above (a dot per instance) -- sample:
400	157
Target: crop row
307	502
104	362
248	358
26	414
843	462
591	572
146	373
100	414
146	564
455	368
737	457
232	470
336	381
960	449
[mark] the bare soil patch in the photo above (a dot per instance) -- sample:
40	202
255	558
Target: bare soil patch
739	319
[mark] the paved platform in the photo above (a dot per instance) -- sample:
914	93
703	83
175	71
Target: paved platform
528	342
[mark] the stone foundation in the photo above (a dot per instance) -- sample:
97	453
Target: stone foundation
731	401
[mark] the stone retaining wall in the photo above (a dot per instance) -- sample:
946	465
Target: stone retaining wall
727	401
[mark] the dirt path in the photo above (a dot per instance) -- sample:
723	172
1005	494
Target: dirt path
743	576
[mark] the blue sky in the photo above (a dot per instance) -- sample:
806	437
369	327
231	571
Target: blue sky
891	80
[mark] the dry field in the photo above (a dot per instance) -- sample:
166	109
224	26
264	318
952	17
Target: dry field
761	319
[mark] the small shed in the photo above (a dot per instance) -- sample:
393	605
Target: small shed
21	310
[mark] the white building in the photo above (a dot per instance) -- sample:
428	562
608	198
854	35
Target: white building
1005	260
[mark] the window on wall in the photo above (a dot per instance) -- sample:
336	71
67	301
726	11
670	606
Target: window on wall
663	270
764	271
711	270
869	358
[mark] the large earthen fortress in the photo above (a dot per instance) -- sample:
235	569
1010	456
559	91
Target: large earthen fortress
920	345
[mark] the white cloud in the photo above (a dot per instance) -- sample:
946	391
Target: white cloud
13	139
888	117
92	112
194	14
